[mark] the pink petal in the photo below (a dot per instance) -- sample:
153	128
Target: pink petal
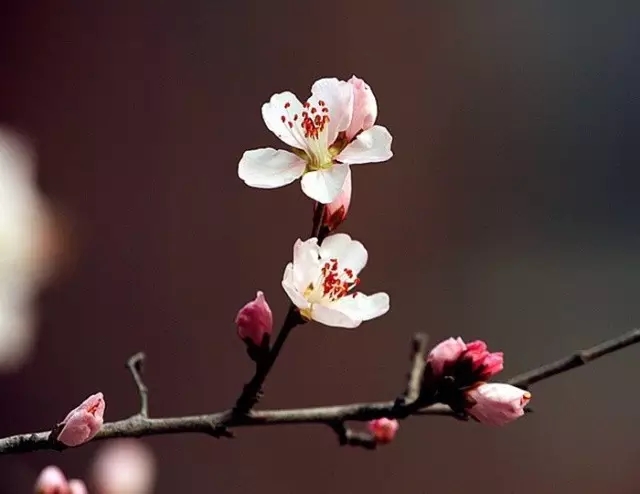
497	403
124	466
365	108
383	430
51	481
445	354
83	422
77	487
336	212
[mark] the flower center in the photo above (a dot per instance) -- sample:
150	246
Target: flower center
334	283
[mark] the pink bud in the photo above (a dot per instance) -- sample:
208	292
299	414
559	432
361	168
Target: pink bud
124	466
365	108
255	320
336	212
383	430
497	403
445	354
51	481
84	422
77	487
483	364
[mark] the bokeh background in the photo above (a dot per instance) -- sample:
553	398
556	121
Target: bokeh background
509	213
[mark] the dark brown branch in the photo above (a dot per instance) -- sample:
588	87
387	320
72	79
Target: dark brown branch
213	424
416	373
577	359
135	364
252	390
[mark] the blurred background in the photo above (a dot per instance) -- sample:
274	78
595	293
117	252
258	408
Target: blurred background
509	213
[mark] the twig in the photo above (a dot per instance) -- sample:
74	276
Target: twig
349	437
331	415
577	359
416	373
253	389
135	364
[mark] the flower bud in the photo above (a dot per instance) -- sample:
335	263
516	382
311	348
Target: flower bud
255	321
124	466
496	403
383	430
365	108
336	212
51	481
83	422
445	354
77	487
484	364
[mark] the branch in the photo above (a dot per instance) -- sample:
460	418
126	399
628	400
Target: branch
253	389
332	416
134	364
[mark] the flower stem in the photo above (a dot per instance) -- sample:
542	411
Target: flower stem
253	389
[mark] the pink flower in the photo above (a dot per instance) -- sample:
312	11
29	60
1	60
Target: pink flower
124	466
365	108
316	130
336	212
83	422
255	320
483	364
497	403
383	430
52	481
445	354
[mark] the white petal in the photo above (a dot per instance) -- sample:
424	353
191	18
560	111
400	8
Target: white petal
306	263
371	146
349	253
332	317
361	306
338	98
325	185
269	168
285	105
289	285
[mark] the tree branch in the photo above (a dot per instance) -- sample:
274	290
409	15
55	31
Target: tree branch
252	390
134	364
333	416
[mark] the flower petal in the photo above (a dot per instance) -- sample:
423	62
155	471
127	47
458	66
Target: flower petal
365	107
349	253
362	307
332	317
285	105
269	168
338	97
325	185
371	146
306	263
289	286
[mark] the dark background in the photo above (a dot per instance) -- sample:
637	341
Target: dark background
509	213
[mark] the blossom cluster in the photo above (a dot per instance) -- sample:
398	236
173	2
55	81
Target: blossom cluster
334	129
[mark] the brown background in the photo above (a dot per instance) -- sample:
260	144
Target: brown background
510	213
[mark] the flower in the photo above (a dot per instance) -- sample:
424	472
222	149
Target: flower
316	130
483	363
445	354
496	403
336	212
255	320
83	422
383	430
467	362
52	481
320	281
27	247
124	466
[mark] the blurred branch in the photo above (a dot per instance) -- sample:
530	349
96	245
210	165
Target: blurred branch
333	416
134	364
253	389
